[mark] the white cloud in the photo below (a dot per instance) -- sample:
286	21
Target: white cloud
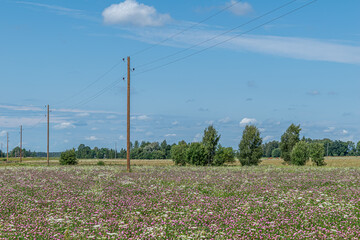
122	137
141	118
247	121
240	8
314	93
175	123
149	134
92	138
225	120
345	132
329	129
130	12
94	129
268	138
64	125
288	47
2	133
66	141
197	137
209	122
84	114
170	135
111	117
21	108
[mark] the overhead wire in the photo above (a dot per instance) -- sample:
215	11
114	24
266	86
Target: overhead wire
186	29
227	40
216	36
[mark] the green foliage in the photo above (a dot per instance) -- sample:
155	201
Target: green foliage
179	153
269	148
100	163
68	158
276	153
300	153
358	149
223	155
210	142
317	152
250	150
196	154
288	141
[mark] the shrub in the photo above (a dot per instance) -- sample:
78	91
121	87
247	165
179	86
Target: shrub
100	163
300	153
250	149
196	154
68	158
276	153
317	152
178	153
224	155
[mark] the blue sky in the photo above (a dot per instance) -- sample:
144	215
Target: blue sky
302	68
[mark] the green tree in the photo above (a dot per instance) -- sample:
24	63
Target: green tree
250	150
317	152
224	155
358	149
269	147
276	153
68	158
288	141
300	153
197	154
210	142
179	152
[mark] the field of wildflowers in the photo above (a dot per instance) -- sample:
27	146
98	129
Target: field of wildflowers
85	202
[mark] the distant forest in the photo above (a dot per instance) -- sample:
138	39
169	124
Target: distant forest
156	150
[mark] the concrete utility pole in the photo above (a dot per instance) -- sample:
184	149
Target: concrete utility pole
7	147
21	143
128	115
48	135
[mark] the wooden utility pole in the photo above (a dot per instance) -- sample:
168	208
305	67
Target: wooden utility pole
21	143
7	147
48	124
128	115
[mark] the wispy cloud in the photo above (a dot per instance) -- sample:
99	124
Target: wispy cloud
58	9
239	8
170	135
64	125
313	93
247	121
92	138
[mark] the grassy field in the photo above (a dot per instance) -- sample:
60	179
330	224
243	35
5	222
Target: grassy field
169	202
331	162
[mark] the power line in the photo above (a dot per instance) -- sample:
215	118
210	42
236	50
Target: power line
219	43
217	36
186	29
92	83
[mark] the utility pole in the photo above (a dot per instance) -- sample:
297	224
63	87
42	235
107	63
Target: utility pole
128	115
21	143
7	147
48	124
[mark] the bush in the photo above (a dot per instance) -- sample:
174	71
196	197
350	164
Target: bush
300	153
178	153
250	149
317	152
224	155
68	158
276	153
196	155
100	163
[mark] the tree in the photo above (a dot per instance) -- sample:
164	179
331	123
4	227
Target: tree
224	155
276	153
197	154
358	149
178	153
210	142
269	147
288	141
68	158
300	153
250	150
317	152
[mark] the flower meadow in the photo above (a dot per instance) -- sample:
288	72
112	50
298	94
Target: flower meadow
86	202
